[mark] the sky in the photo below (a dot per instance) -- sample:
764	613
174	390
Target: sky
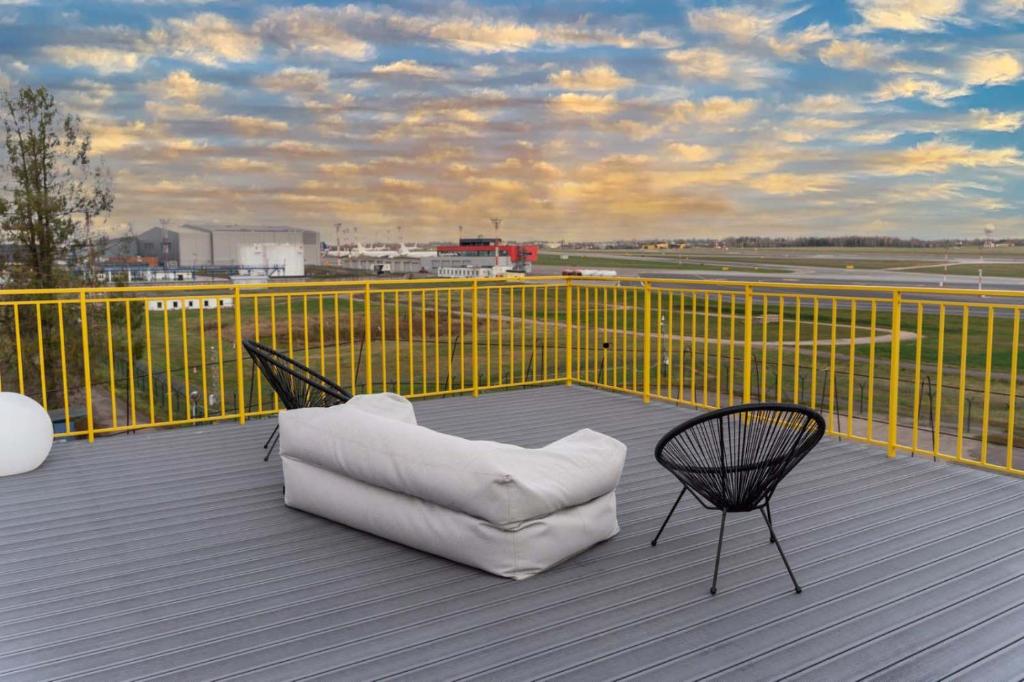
569	120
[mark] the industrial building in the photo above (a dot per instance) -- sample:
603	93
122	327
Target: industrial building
276	250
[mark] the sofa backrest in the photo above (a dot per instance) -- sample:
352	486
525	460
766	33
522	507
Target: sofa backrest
501	483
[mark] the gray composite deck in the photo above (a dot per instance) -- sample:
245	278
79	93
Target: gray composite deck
170	554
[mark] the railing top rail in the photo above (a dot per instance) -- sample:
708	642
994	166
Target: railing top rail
803	286
259	286
249	288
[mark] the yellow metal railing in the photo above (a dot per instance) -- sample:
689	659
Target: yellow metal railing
926	371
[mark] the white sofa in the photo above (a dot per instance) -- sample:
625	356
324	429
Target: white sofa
508	510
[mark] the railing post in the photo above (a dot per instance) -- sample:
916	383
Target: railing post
568	331
748	339
476	351
239	374
85	365
894	372
368	336
647	342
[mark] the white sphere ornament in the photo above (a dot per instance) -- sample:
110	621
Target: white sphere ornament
26	434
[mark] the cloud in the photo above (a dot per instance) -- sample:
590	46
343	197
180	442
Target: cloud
792	184
317	30
992	67
712	64
908	15
401	184
747	25
1005	9
87	96
111	137
692	153
409	67
293	79
177	110
872	136
937	156
715	110
350	31
103	60
241	165
827	105
181	85
601	78
996	121
206	38
856	54
254	125
930	91
579	103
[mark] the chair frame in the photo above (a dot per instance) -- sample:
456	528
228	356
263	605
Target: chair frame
275	366
785	462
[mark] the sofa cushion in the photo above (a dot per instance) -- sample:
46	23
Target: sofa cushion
514	552
389	405
503	484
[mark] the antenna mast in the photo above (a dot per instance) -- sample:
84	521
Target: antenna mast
497	224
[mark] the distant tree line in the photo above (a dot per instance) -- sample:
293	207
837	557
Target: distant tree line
844	241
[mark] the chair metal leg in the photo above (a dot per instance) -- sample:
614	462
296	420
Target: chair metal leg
718	555
767	514
670	513
272	434
778	546
271	448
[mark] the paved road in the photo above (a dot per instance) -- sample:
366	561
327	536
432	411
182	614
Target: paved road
823	275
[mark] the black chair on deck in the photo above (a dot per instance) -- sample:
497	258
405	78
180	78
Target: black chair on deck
295	384
732	460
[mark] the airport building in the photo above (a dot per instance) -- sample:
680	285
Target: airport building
276	250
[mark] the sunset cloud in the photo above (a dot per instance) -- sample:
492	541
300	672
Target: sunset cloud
409	67
600	77
750	25
582	121
908	15
711	64
206	38
181	85
102	60
993	67
692	153
938	156
930	91
856	54
293	79
255	125
578	103
714	110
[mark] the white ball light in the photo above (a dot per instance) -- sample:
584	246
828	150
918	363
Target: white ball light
26	434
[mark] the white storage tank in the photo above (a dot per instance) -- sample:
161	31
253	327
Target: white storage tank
274	260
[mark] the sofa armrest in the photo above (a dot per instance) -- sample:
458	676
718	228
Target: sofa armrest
387	405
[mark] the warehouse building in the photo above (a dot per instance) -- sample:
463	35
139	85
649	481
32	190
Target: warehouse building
242	246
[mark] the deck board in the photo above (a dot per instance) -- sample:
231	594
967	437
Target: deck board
170	554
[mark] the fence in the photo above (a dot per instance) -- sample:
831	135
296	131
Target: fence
926	371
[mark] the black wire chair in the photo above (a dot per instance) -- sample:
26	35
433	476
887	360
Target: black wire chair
296	385
732	460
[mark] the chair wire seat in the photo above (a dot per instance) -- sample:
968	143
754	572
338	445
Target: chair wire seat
295	385
734	458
